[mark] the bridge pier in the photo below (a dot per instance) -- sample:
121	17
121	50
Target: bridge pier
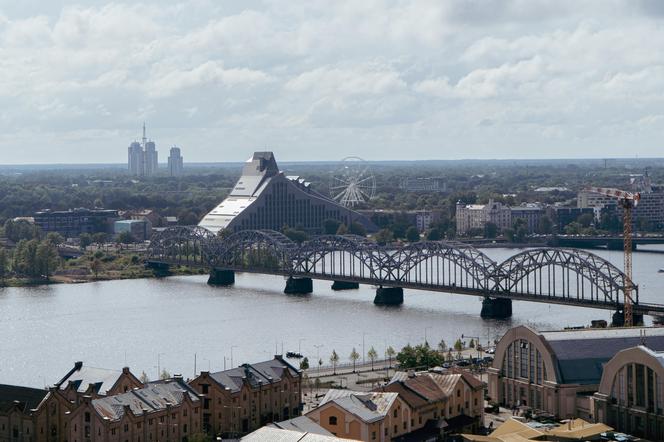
221	277
298	286
160	269
618	319
389	296
345	285
496	308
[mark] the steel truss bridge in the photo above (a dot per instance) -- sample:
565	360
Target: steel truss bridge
549	275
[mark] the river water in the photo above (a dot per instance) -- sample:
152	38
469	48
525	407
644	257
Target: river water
170	322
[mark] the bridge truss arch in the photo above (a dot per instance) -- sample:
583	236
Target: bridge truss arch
562	274
183	244
349	256
253	249
444	263
553	275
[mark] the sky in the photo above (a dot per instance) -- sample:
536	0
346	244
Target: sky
322	80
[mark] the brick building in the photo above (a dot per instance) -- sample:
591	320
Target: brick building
243	399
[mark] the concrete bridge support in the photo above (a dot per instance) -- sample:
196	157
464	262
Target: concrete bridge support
619	319
389	296
298	286
221	277
344	285
496	308
160	269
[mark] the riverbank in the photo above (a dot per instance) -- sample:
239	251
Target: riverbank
94	266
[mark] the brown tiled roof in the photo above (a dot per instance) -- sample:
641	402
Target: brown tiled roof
413	399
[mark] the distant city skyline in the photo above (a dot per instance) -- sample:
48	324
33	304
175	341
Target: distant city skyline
385	80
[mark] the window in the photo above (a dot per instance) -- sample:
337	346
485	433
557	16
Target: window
373	435
395	412
87	416
396	429
458	393
184	412
404	425
523	358
206	388
332	420
126	427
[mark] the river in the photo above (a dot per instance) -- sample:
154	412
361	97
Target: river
170	322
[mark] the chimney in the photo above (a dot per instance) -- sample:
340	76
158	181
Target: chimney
78	365
411	374
125	370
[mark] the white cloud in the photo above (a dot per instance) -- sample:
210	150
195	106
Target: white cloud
385	78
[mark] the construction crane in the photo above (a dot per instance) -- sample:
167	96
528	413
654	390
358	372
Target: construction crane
627	200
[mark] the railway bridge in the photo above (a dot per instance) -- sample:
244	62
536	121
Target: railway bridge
548	275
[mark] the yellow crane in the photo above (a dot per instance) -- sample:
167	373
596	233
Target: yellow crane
627	200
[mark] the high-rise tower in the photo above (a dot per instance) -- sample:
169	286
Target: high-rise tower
175	165
143	157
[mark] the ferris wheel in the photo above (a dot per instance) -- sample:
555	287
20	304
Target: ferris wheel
352	182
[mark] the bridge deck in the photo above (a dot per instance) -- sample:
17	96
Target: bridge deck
641	308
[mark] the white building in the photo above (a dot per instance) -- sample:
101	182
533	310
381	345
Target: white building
475	216
143	159
175	165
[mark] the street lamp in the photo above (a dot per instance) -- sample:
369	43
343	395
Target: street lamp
299	345
318	346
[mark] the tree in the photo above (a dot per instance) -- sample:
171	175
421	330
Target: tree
372	354
164	375
125	238
334	359
304	364
573	228
434	235
85	240
472	343
545	225
442	346
55	238
330	226
407	357
354	356
296	235
144	378
458	345
389	352
18	230
342	230
357	229
412	234
96	267
99	238
383	236
490	230
25	258
585	219
4	264
419	356
47	258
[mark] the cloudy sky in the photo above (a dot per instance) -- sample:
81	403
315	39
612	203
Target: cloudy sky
320	80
